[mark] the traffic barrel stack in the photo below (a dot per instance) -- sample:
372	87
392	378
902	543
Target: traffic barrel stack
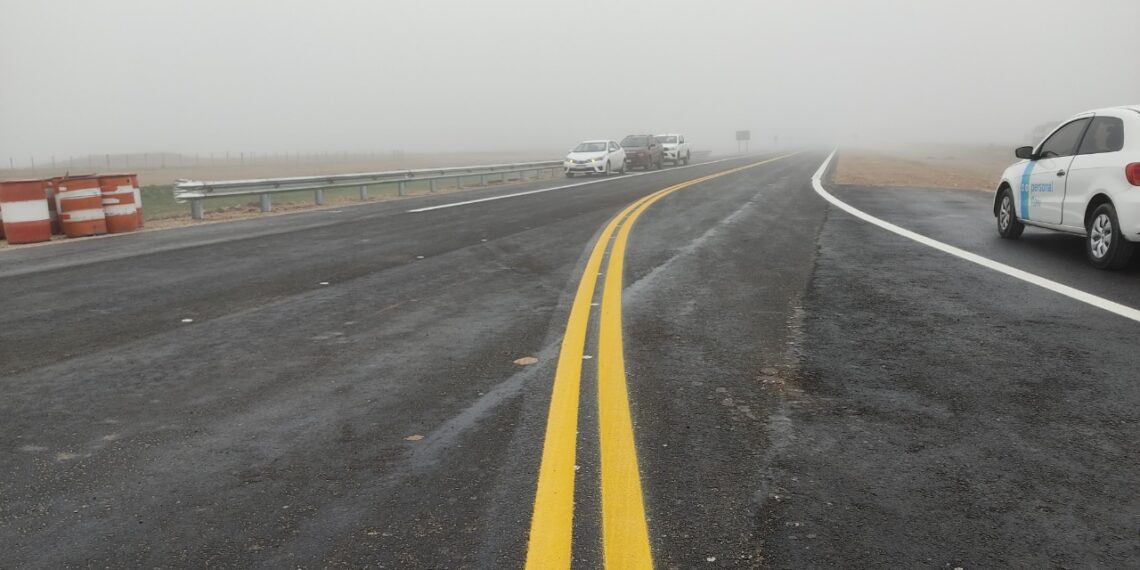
81	207
119	203
25	214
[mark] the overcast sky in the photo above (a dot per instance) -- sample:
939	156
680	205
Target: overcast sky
110	76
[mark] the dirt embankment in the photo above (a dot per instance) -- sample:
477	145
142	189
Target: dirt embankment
154	171
966	168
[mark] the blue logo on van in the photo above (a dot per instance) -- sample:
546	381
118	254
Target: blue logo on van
1025	189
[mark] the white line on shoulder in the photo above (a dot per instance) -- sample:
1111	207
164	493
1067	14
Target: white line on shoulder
1076	294
563	187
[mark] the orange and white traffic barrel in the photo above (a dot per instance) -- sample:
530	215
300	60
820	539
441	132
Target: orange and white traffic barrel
81	207
119	203
53	206
25	211
138	197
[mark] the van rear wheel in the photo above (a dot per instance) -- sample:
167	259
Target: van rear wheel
1105	245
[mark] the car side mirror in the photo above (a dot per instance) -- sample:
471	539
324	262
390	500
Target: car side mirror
1025	152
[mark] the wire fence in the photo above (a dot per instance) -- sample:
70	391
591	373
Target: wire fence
161	160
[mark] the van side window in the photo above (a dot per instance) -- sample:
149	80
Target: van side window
1106	134
1064	142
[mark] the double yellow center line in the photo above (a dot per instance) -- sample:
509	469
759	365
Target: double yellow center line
625	533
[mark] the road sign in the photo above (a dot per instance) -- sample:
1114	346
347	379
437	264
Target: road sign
742	138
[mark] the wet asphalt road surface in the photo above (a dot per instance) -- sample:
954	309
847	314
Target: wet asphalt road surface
337	388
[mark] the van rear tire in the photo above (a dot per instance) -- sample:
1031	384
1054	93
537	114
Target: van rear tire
1105	244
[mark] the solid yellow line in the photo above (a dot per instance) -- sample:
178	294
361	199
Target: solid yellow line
551	530
625	532
551	526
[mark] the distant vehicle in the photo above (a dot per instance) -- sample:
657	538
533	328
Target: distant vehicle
1084	178
676	148
595	157
643	151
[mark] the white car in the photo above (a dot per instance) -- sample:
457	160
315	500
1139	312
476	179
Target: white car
676	148
595	157
1084	178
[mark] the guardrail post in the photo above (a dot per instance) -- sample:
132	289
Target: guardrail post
403	187
432	185
320	197
503	178
266	205
363	191
459	182
482	179
196	209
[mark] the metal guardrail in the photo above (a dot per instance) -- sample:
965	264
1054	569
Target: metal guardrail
195	192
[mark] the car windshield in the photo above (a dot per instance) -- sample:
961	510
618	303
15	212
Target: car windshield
591	147
667	139
635	141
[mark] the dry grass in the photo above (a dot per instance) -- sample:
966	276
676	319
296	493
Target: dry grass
960	167
263	167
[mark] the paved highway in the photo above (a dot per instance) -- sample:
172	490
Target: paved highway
701	367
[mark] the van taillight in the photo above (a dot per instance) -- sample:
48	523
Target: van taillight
1132	173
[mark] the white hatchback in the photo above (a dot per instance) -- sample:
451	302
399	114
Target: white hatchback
1084	178
595	157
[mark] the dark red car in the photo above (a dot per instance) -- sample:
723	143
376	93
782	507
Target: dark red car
643	151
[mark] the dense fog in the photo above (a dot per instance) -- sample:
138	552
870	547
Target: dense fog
79	77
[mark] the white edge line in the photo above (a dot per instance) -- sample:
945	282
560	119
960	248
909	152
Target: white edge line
540	190
1076	294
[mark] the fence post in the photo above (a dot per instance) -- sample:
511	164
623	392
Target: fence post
363	191
320	197
196	209
266	205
